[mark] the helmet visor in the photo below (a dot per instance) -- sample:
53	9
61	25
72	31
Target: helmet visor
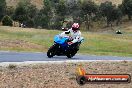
75	29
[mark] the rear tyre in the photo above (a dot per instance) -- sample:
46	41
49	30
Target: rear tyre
70	55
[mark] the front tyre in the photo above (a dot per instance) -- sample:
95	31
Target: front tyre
51	52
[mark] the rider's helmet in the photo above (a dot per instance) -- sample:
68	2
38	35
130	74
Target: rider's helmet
75	26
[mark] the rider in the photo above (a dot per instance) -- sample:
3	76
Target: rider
74	32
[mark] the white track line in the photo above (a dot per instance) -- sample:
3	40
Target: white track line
56	62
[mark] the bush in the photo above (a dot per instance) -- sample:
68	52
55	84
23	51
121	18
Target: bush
57	25
30	22
7	21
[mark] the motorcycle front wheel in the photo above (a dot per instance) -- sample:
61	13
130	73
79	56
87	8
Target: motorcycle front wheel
51	52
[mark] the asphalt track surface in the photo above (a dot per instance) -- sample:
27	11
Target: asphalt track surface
6	56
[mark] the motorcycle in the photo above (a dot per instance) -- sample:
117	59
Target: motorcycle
61	47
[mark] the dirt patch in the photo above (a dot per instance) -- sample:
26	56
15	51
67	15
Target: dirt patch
60	75
19	44
37	3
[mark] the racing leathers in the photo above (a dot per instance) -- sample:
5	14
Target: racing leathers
75	35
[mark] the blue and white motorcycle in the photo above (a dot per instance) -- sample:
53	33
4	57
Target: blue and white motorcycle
61	47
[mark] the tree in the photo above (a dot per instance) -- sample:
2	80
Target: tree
60	14
31	10
30	22
74	9
45	14
47	7
72	6
89	9
110	12
41	19
46	17
116	15
10	11
20	13
25	13
61	9
127	8
2	8
106	9
7	21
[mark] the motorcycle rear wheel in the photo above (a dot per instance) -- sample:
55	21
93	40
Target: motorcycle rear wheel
71	55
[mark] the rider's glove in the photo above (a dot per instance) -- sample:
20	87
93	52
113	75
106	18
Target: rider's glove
70	38
69	43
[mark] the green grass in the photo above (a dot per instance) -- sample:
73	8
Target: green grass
107	44
95	43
